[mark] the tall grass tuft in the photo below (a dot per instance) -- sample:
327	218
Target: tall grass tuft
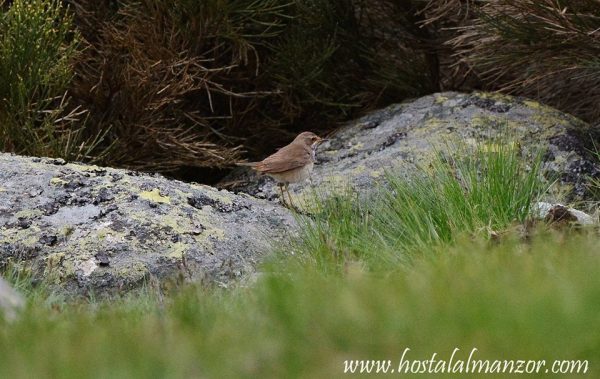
37	46
481	193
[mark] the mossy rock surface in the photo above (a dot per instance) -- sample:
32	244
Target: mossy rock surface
87	229
400	137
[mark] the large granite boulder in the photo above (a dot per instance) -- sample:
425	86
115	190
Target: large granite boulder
90	229
402	136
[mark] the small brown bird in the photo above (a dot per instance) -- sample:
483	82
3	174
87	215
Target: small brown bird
290	164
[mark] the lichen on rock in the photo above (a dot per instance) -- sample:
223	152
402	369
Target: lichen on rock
89	229
400	137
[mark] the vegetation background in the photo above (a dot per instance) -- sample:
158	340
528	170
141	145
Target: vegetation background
447	258
191	86
432	262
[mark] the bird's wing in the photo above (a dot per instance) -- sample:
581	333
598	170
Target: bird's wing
287	158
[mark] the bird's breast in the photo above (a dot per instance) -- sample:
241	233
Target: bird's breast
295	175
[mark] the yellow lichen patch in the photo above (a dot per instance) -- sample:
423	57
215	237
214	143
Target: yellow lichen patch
495	96
210	230
358	170
2	189
53	261
66	231
176	250
216	233
480	121
440	99
220	196
28	213
134	270
357	146
58	182
28	237
376	173
310	199
495	123
532	104
155	196
434	123
548	119
32	238
102	233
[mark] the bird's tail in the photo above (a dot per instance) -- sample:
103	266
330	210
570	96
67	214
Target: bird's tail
247	164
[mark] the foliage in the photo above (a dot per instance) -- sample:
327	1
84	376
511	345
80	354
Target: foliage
594	181
202	79
37	47
168	97
548	50
164	85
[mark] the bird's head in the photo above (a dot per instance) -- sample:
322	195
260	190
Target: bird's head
309	139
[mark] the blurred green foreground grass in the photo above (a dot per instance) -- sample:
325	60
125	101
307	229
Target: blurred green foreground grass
511	301
412	267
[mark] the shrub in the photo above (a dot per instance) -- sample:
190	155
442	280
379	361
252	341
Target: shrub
191	83
37	47
168	76
548	50
167	85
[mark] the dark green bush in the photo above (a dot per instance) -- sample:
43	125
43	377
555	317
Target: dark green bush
37	48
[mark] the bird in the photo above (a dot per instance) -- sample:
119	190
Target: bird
292	163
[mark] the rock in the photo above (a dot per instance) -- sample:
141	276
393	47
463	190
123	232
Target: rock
10	301
560	213
90	229
402	136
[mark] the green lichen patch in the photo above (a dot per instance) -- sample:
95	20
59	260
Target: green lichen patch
28	213
439	99
177	250
58	182
155	196
433	123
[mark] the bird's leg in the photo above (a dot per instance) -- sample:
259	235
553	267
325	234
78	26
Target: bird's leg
282	197
287	189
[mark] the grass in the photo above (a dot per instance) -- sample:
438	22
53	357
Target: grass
38	46
482	194
340	298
